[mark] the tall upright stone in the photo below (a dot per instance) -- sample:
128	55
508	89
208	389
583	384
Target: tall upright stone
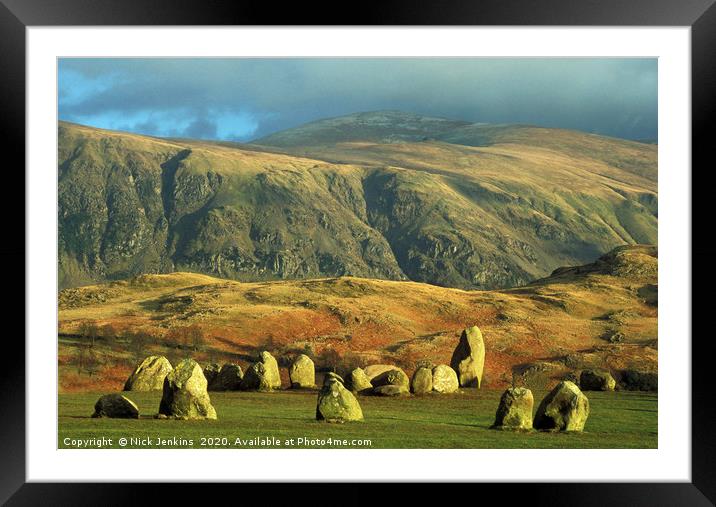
302	373
359	382
336	403
228	379
262	375
565	408
149	375
185	395
468	359
515	410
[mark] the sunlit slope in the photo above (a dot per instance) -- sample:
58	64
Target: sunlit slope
395	208
233	213
561	322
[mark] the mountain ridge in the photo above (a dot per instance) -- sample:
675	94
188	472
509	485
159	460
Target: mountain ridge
431	211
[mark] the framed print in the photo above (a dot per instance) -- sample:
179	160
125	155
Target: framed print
429	236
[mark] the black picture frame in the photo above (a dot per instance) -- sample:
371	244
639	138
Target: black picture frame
700	15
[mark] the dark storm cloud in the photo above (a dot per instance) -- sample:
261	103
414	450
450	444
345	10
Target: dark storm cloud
247	98
201	128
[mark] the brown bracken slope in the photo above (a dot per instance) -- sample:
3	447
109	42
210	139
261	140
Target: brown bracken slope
551	327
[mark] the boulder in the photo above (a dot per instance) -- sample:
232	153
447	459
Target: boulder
374	370
185	395
359	381
262	376
515	410
634	380
422	381
391	390
330	376
596	380
394	377
302	373
336	403
149	375
115	406
565	408
468	359
444	379
228	379
211	371
615	337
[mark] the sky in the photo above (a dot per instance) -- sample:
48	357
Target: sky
242	99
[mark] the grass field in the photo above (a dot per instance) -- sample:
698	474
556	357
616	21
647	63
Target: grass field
462	420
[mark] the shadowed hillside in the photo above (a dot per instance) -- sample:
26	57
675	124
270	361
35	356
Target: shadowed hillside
377	195
551	327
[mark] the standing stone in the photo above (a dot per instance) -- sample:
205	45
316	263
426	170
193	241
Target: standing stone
374	370
515	410
565	408
185	395
391	390
115	406
210	372
302	373
422	381
444	379
596	380
262	376
149	375
395	382
468	359
336	403
228	379
359	381
634	380
330	376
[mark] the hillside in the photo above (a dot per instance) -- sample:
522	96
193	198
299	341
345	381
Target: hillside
377	195
551	327
377	127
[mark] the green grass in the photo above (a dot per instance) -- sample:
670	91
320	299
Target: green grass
617	420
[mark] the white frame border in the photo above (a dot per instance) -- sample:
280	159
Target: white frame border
670	462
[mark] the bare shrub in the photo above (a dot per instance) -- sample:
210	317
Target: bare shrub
173	338
88	359
329	359
309	350
89	331
212	356
350	362
408	358
108	332
195	338
174	356
268	344
187	337
138	344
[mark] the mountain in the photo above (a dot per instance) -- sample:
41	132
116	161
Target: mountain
552	326
377	127
382	195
